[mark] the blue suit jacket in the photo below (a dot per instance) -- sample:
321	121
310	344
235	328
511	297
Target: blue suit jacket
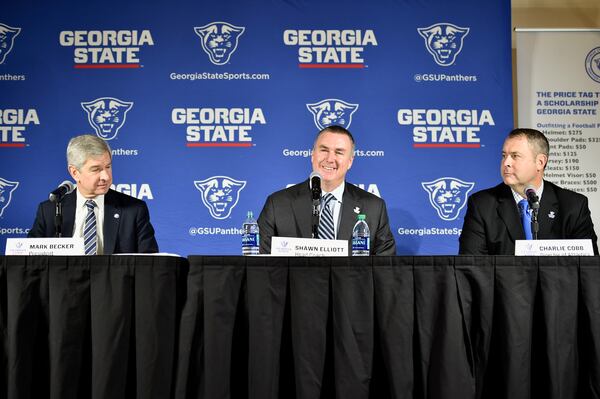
126	229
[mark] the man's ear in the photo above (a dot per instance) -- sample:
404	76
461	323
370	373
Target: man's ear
541	160
73	172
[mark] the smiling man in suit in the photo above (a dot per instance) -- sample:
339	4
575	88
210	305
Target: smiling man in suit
110	222
287	213
493	220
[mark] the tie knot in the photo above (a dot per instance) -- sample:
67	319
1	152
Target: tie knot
523	205
327	198
91	204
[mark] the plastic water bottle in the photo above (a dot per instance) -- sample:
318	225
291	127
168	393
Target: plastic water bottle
250	236
361	236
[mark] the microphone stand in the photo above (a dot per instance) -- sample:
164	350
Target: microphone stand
535	226
315	189
58	219
316	204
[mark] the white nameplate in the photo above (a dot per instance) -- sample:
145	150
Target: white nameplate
554	248
292	246
44	246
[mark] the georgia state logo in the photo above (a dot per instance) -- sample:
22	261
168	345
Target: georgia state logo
592	64
448	196
107	115
7	40
6	190
220	194
219	40
332	111
444	41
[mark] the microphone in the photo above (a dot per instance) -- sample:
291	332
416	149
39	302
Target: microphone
65	188
315	185
532	198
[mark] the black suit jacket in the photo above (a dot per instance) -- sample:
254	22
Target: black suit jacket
492	222
288	213
129	232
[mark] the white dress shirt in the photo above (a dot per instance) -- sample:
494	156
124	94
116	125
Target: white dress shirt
518	197
80	214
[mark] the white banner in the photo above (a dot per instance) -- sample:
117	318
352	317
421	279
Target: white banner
558	74
293	246
554	247
45	246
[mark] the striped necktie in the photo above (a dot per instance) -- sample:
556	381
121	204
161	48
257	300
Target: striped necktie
90	238
525	219
326	229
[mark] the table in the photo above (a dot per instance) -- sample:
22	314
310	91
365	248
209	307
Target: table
77	327
269	327
391	327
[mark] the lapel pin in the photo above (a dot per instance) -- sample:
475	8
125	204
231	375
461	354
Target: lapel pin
551	215
117	216
357	210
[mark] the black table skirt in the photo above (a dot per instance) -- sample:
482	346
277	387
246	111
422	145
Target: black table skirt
78	327
261	327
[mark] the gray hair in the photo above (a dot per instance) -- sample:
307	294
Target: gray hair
83	147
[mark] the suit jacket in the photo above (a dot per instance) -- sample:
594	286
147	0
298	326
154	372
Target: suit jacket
129	232
492	222
288	213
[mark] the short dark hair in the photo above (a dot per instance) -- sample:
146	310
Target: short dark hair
535	138
338	130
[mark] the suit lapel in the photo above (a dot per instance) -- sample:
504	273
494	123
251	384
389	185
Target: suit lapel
111	223
508	212
302	206
548	213
347	216
69	205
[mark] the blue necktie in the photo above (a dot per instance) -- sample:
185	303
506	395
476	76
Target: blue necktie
326	229
525	218
90	238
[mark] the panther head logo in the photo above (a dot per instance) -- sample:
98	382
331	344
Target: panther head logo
448	196
6	190
332	111
7	40
219	40
107	115
444	41
220	194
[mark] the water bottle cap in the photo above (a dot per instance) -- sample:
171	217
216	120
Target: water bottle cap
250	214
362	217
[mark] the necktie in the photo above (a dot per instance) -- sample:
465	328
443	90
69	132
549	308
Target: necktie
90	238
326	230
525	218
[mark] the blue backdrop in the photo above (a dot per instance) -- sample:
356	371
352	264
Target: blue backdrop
211	106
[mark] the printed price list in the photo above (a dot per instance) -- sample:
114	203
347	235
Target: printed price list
573	131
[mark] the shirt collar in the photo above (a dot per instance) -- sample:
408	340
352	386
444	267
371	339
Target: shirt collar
81	200
538	192
338	192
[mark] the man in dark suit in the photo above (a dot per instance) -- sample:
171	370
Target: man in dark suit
287	213
493	221
109	221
